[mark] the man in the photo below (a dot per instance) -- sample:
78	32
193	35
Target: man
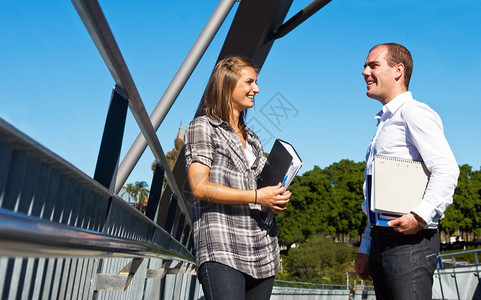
402	257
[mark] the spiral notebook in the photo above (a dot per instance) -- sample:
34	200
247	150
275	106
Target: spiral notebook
398	185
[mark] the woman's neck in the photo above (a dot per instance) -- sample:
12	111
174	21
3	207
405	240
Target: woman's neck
234	121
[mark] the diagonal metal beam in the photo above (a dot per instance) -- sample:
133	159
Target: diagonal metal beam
253	23
175	87
248	35
98	28
298	18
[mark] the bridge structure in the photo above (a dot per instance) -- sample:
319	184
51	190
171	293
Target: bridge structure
66	235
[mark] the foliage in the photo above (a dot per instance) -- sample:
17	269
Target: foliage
328	202
465	256
172	155
319	260
464	214
138	192
129	190
324	201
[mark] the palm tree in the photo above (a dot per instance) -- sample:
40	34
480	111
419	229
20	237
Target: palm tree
138	192
142	194
130	190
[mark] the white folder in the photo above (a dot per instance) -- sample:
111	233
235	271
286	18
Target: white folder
398	185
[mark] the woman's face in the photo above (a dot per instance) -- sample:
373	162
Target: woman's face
245	90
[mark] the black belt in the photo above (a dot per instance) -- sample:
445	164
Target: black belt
386	230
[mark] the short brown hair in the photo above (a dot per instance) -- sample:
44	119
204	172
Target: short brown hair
398	54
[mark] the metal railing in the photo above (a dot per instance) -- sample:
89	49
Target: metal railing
65	236
458	279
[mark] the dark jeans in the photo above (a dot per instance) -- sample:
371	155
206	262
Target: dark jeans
402	266
223	282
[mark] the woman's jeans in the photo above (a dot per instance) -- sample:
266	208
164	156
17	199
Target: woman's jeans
402	266
223	282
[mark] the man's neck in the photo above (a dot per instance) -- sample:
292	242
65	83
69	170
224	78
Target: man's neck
393	95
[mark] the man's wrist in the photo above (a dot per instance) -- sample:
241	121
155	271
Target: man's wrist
420	220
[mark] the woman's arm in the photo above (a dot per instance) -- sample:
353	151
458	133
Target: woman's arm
274	197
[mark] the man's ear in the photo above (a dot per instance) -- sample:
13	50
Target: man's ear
399	69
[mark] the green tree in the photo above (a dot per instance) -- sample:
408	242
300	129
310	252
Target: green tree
307	208
142	193
319	260
347	179
129	190
172	155
138	192
463	215
326	201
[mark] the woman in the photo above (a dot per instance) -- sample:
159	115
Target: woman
237	254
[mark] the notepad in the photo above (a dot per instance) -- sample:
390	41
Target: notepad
398	185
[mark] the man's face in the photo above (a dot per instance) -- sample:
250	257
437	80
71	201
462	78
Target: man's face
379	76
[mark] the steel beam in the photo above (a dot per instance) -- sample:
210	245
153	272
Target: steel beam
298	18
174	88
98	28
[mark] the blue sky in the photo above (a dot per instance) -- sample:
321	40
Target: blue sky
56	88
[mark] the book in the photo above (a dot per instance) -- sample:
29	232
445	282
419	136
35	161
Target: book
282	166
397	186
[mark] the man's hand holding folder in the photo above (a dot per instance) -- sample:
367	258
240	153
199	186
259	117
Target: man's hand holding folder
397	186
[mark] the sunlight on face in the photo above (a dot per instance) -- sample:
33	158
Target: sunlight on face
245	90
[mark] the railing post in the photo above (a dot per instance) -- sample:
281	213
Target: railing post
109	153
155	192
169	222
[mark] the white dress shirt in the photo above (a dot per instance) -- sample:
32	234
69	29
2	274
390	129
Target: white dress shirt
410	129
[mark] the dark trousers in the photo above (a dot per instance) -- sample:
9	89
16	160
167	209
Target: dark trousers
223	282
402	266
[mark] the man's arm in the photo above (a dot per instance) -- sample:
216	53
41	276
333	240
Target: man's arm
424	129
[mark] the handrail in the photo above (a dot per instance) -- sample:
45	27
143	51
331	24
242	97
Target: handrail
26	236
97	235
460	252
98	28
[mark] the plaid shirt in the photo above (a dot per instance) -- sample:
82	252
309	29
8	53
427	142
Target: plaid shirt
231	234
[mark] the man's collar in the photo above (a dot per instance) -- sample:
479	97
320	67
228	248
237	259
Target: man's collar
397	102
393	105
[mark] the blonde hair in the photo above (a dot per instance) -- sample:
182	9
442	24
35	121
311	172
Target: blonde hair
218	96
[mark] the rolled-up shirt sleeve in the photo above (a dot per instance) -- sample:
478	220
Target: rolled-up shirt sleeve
424	129
198	143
